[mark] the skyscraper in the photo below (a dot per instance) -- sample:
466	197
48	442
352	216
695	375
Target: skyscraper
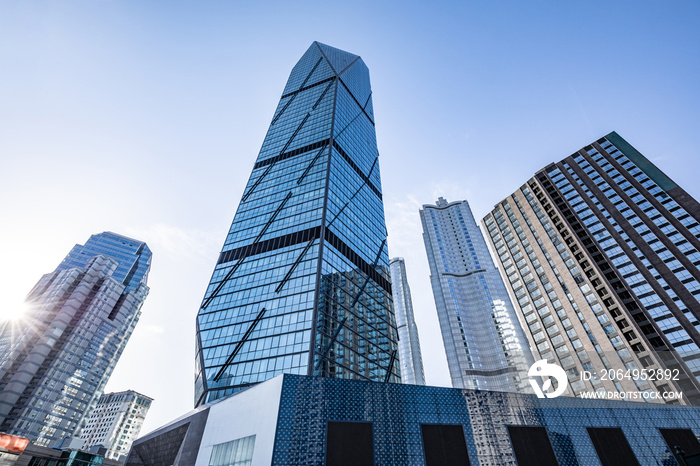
56	360
116	422
601	252
302	282
484	342
409	344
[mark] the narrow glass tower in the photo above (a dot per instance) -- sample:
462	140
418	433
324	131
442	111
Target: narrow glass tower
302	282
485	345
409	344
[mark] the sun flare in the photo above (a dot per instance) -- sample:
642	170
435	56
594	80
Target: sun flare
13	311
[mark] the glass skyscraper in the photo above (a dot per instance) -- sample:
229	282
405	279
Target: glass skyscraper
485	345
409	344
56	360
601	252
302	282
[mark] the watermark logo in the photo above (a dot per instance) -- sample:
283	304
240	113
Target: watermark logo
546	372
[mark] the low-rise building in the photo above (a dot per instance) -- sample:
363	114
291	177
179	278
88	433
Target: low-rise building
294	420
116	422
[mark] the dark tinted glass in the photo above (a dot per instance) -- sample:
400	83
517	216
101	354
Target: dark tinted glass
349	444
444	444
531	446
612	446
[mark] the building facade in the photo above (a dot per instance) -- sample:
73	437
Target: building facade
333	422
56	360
409	344
116	422
302	282
601	252
484	342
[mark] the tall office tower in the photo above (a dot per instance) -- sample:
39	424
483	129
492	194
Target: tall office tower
409	344
484	342
56	360
302	282
601	252
116	422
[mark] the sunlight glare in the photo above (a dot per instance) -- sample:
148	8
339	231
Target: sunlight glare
12	310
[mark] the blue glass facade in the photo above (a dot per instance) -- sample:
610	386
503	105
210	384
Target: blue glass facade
485	345
133	257
302	284
409	343
320	421
397	413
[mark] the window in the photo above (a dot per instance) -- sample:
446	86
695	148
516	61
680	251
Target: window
611	446
531	446
683	438
349	444
235	453
444	444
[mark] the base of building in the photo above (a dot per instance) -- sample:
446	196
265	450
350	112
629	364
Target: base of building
294	420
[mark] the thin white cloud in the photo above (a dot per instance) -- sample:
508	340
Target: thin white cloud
175	241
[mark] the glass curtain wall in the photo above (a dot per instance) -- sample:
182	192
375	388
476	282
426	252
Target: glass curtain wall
302	283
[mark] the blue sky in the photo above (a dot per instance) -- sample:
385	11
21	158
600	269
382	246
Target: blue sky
145	118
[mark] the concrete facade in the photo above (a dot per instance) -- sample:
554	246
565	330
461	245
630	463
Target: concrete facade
600	252
116	422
